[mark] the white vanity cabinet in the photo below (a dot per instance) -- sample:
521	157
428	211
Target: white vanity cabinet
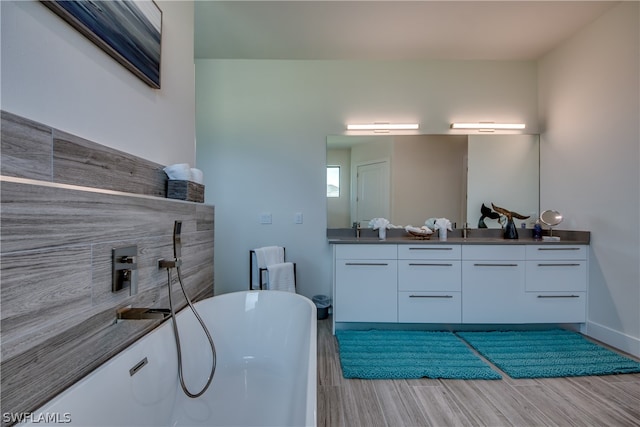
493	284
366	283
460	283
556	285
429	284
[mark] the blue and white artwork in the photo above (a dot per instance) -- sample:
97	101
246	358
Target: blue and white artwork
130	31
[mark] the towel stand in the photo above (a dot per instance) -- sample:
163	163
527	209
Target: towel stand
262	272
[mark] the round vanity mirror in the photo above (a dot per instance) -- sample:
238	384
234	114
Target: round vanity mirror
551	218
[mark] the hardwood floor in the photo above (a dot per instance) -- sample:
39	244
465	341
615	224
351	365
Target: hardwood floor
612	400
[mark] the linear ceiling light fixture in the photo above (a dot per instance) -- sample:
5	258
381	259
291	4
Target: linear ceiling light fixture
384	126
488	126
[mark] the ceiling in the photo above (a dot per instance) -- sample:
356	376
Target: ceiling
388	30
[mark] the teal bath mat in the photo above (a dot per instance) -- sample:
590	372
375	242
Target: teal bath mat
380	354
547	354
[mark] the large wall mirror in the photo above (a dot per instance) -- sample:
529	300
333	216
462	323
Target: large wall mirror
410	178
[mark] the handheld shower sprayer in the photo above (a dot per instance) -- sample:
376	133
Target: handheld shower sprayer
169	265
176	262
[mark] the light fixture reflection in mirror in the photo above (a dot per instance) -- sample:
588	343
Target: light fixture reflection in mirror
438	176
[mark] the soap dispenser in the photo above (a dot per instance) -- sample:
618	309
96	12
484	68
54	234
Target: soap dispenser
537	230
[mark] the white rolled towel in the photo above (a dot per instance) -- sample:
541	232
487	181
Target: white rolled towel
377	223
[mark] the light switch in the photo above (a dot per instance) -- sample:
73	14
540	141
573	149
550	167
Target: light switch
265	218
297	218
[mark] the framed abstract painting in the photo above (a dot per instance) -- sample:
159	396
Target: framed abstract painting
130	31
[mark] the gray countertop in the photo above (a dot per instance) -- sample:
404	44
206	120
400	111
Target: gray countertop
474	237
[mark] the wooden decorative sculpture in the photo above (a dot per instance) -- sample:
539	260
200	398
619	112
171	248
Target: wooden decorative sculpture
510	230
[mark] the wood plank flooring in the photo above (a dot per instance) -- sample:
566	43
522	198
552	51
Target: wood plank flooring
612	400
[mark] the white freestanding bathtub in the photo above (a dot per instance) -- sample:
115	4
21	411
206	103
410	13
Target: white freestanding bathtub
265	376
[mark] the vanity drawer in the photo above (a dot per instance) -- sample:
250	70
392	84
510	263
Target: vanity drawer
493	252
569	275
552	252
429	251
429	307
556	307
429	275
371	251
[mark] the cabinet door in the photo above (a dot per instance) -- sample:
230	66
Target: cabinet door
366	290
429	307
493	291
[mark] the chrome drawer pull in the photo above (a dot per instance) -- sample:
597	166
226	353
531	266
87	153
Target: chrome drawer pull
414	264
495	265
430	296
558	249
558	296
367	263
559	265
430	249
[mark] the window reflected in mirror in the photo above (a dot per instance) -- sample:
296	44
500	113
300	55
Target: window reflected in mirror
333	181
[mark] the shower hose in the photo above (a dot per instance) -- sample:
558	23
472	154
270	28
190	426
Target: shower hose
177	337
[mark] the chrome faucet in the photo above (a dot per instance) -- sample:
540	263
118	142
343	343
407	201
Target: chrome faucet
465	231
357	229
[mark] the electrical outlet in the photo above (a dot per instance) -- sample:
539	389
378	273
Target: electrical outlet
297	218
265	218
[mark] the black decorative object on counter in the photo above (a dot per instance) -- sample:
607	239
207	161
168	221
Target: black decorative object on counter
486	213
510	230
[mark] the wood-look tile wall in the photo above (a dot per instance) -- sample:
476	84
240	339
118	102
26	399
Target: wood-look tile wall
57	311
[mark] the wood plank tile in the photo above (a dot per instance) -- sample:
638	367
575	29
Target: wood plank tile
26	148
81	162
509	402
474	406
362	405
398	403
438	407
330	406
41	291
619	407
35	216
581	401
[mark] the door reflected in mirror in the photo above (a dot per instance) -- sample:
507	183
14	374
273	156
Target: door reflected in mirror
410	178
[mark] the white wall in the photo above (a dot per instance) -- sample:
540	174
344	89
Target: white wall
261	136
590	161
54	75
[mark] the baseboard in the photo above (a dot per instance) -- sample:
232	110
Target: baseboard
617	339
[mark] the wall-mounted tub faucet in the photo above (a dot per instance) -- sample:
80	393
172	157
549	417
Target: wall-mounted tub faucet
134	313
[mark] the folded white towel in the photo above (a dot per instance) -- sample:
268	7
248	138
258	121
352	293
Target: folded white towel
281	277
269	255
